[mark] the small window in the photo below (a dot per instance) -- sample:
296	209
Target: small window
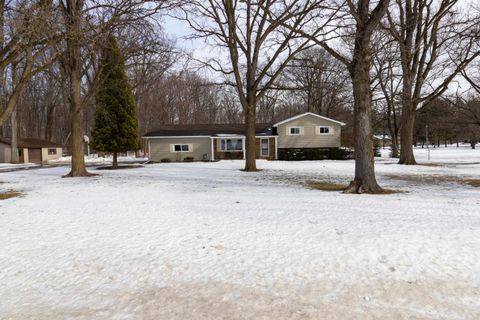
181	148
294	131
325	130
231	145
52	151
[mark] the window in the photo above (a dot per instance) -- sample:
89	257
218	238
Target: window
180	147
294	131
264	148
325	130
52	151
231	145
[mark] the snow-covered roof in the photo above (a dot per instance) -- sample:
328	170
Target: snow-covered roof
308	114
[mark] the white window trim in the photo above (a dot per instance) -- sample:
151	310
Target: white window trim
289	131
220	145
330	131
172	147
268	147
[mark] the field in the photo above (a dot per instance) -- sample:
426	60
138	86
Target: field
208	241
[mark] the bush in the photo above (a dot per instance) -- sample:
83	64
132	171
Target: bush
188	159
314	154
165	160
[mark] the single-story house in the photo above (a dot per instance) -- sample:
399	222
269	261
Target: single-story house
30	150
210	142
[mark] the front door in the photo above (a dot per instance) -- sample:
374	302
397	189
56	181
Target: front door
264	148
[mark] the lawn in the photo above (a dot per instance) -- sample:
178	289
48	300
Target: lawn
208	241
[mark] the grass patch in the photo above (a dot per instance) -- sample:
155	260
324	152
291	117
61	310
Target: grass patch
325	186
9	194
128	166
332	186
435	179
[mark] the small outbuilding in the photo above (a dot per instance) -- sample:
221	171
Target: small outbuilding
30	150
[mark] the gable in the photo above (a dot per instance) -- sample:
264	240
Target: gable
311	118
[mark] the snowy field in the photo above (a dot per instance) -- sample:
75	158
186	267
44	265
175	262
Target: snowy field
208	241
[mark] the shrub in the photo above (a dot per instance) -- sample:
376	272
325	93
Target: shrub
188	159
314	154
165	160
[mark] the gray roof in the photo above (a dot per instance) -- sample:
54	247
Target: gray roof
213	130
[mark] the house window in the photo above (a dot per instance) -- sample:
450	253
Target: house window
231	145
294	131
264	147
181	147
325	130
52	151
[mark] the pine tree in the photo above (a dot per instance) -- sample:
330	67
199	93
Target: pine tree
116	125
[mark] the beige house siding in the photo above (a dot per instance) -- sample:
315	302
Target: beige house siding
310	138
160	148
5	153
47	157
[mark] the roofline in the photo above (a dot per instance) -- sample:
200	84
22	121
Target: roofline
217	137
307	114
166	137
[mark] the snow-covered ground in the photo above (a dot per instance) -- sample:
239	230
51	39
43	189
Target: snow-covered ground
96	160
208	241
16	166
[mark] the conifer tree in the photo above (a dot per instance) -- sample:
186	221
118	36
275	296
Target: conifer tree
116	125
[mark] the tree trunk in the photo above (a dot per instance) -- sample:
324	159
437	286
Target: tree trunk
406	134
115	160
250	157
14	145
74	67
364	181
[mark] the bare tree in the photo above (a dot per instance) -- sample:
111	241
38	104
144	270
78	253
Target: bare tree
258	45
435	45
85	24
365	18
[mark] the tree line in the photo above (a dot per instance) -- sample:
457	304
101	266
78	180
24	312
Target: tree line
381	65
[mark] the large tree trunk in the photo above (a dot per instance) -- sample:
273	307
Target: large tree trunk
14	145
250	157
74	12
365	181
407	126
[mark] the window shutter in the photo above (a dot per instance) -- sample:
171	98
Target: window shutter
302	131
288	131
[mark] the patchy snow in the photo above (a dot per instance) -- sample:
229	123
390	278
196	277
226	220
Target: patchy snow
96	160
15	166
208	241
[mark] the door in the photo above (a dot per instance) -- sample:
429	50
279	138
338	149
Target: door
264	150
34	155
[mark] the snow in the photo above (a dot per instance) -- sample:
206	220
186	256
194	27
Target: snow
16	166
96	160
208	241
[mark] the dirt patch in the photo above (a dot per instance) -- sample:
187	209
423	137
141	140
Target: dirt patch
377	300
435	179
9	194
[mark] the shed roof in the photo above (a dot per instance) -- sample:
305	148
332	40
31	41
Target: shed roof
32	143
211	130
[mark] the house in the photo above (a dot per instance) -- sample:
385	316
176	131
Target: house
30	150
210	142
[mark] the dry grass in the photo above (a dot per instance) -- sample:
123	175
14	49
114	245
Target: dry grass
325	186
435	179
9	194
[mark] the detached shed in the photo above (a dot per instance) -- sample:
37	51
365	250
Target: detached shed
30	150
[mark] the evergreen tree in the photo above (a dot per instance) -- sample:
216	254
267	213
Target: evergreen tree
116	125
